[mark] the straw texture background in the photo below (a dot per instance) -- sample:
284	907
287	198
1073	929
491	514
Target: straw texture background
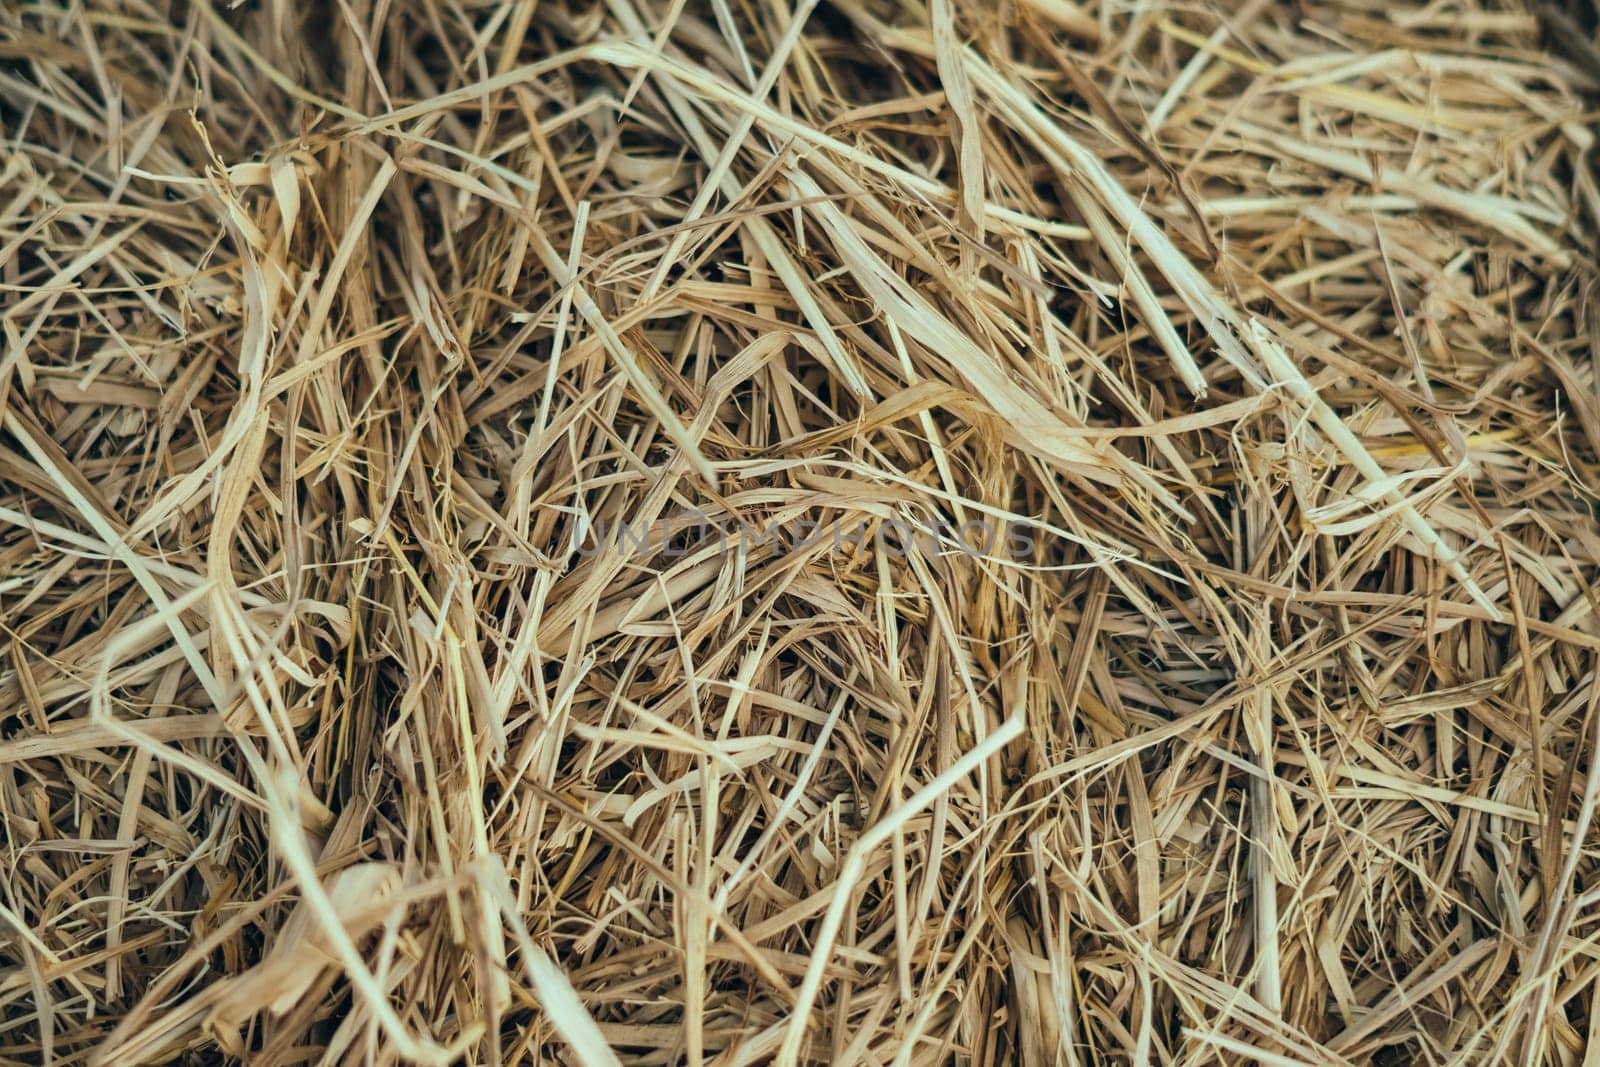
455	457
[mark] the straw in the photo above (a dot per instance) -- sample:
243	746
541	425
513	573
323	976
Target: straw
720	532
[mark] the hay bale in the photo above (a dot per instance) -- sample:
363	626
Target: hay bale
847	532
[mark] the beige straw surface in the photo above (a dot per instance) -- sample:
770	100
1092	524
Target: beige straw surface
721	532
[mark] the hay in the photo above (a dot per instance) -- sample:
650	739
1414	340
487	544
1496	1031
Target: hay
851	532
